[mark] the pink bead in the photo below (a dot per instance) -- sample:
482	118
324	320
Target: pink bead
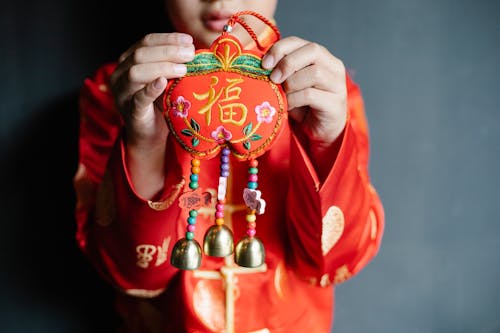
191	228
219	207
253	178
251	232
219	214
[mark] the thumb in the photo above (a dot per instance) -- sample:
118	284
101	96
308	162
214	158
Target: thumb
145	97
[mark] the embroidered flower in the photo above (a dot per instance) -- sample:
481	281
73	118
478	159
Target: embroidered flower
265	112
221	134
181	107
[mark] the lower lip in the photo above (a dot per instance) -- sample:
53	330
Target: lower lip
216	25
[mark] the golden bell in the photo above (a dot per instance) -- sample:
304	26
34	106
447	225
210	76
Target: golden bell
249	252
186	254
218	241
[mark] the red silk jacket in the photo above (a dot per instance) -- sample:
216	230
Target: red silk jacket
316	234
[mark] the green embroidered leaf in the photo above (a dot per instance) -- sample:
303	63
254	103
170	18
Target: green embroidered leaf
255	137
195	142
250	64
247	129
195	125
203	62
186	132
247	145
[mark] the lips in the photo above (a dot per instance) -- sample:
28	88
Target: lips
216	20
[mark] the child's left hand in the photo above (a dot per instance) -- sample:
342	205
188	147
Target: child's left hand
315	83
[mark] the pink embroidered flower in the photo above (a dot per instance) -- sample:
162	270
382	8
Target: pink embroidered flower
265	112
181	107
221	134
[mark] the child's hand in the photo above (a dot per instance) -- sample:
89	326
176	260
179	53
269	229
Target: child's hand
315	84
140	78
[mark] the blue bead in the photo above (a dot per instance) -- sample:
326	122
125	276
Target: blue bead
192	220
226	151
194	178
224	159
252	185
224	166
224	173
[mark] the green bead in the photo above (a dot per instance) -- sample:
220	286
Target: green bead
193	213
193	185
189	235
253	171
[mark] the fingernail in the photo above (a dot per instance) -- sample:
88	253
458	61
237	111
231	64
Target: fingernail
268	61
276	76
185	39
159	83
186	52
180	69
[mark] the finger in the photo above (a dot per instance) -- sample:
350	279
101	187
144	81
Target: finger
309	54
145	73
150	54
314	98
316	77
146	96
158	39
280	49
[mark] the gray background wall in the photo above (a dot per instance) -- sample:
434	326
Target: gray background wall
429	71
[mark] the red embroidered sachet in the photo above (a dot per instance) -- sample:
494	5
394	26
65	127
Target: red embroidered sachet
226	99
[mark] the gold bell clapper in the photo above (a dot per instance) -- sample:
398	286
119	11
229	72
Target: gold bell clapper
186	253
218	241
250	250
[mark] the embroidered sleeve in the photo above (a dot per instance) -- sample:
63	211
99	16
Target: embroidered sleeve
335	227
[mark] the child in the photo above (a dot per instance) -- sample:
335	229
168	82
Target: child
323	222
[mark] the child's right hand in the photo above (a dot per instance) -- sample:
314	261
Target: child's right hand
138	80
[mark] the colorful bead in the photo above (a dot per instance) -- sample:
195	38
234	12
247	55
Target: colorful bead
219	214
194	178
189	235
251	218
219	221
193	213
191	228
224	159
224	173
254	163
252	185
251	225
195	162
195	170
193	185
253	178
191	220
226	151
251	232
253	171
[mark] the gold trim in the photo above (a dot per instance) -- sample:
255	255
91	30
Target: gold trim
169	200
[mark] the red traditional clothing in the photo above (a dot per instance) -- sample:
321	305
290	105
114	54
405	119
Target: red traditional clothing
316	233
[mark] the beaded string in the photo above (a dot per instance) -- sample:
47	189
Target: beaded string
252	185
193	185
221	191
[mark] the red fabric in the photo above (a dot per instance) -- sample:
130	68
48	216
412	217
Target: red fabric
130	243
